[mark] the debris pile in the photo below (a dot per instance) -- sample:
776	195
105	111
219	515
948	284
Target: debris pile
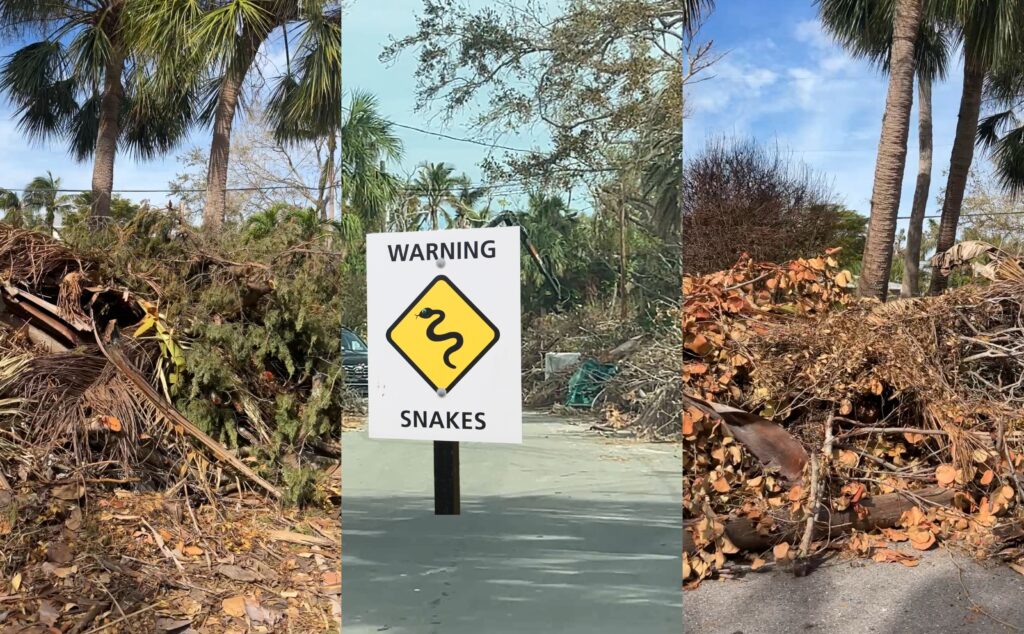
155	358
640	397
142	358
907	417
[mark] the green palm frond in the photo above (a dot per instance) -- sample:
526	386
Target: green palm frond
34	78
307	102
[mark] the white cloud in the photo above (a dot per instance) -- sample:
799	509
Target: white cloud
810	32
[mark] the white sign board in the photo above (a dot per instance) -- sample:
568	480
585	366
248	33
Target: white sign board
444	335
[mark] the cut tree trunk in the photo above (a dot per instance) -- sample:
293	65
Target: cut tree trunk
224	117
106	137
912	259
960	159
892	154
880	511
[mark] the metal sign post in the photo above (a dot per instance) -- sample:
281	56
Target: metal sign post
443	318
447	499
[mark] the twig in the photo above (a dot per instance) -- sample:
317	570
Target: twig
126	617
817	490
89	617
163	547
975	606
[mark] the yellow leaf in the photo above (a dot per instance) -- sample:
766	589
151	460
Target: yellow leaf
16	582
986	478
192	551
144	325
758	562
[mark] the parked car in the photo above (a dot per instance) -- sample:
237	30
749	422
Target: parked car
354	361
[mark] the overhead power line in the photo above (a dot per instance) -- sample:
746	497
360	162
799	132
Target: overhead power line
462	139
991	213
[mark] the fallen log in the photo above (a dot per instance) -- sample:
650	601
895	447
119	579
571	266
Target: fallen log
880	511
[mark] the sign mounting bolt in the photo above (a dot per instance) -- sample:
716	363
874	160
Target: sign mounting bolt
441	391
440	263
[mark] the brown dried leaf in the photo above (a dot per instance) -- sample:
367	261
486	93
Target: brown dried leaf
234	606
781	551
945	474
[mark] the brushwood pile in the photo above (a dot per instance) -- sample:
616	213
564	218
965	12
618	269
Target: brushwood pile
907	417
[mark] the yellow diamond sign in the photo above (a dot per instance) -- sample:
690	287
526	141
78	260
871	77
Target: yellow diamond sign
442	334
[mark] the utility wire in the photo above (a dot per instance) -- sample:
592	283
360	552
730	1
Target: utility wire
991	213
463	139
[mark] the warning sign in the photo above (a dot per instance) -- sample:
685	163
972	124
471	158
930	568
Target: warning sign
442	334
443	325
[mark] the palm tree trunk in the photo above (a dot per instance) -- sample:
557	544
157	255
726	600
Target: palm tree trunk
960	158
892	154
224	117
107	135
911	274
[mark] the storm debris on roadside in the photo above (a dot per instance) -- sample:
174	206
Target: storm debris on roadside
157	391
909	413
627	373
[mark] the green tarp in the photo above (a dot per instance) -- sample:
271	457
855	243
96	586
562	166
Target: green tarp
585	382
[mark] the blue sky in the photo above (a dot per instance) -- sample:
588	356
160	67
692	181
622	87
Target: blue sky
366	27
783	81
22	161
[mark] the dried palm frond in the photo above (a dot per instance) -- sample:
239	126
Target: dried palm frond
29	256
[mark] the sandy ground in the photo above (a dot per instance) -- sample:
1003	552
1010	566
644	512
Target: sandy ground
568	532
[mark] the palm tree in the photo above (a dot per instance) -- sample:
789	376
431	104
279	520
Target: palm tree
368	190
551	226
892	147
307	102
14	212
43	194
263	223
467	214
991	33
865	28
81	83
213	45
436	187
1002	131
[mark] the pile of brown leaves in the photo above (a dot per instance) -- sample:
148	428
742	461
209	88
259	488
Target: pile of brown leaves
136	562
888	398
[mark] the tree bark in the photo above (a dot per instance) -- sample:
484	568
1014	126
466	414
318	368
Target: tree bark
960	158
892	154
107	135
224	117
911	274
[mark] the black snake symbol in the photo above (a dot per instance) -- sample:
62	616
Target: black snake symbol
433	336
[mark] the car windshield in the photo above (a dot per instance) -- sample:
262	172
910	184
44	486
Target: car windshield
350	341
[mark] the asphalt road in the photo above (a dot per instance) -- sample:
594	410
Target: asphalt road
862	597
567	533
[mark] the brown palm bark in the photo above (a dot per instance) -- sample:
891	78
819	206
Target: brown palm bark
961	157
224	116
911	274
892	154
107	135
